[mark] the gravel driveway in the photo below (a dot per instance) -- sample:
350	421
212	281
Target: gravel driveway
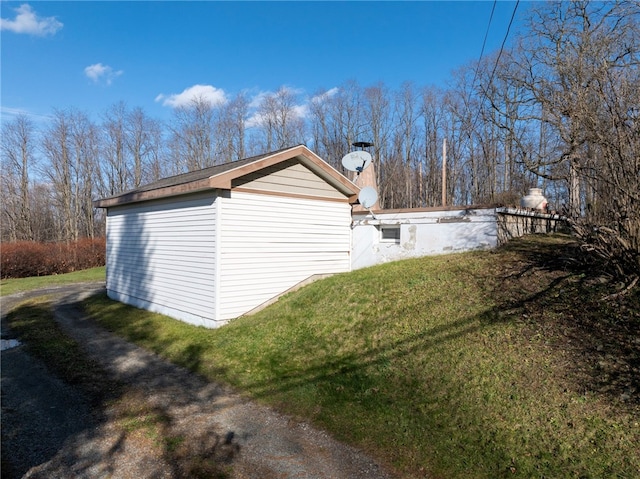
50	431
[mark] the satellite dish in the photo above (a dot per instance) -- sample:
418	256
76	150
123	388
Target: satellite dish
368	197
356	161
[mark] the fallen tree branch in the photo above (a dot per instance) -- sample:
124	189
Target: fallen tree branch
626	290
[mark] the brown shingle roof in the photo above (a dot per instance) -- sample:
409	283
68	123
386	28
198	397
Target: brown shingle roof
220	176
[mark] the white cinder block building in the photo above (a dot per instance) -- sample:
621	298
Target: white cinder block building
393	235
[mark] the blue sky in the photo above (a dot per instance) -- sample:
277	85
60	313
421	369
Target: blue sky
154	55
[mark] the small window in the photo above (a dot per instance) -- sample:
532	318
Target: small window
390	234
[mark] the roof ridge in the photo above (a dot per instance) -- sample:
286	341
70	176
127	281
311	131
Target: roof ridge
202	173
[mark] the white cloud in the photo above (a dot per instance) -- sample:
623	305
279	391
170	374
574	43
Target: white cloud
254	120
8	114
99	72
326	95
258	98
258	118
26	21
301	111
214	96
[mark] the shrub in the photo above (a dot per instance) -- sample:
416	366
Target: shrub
27	258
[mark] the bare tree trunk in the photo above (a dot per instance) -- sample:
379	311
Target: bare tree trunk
17	160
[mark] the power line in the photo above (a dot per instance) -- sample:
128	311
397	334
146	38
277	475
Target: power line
484	43
513	15
495	66
473	82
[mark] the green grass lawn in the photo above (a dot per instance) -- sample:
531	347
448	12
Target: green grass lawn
479	365
11	286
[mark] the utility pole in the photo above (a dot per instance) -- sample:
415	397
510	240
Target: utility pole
444	172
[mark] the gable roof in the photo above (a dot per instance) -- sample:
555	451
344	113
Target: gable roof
221	176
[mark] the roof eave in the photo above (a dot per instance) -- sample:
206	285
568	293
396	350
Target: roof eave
138	196
223	181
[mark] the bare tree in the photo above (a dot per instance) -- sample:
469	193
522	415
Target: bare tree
85	143
115	164
378	119
405	142
433	117
70	144
231	129
18	143
454	131
325	131
43	213
347	113
192	135
577	80
57	151
10	204
279	120
144	144
337	120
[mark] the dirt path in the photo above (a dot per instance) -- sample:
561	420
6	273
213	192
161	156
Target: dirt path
207	420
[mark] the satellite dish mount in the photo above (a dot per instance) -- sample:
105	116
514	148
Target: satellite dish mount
358	161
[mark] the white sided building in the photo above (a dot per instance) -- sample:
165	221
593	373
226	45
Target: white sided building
214	244
211	245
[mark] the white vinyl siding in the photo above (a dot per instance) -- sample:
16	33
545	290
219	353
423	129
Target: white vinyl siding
161	255
289	177
269	244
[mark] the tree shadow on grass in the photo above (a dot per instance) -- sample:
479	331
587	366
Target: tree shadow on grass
339	369
63	413
548	286
144	331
